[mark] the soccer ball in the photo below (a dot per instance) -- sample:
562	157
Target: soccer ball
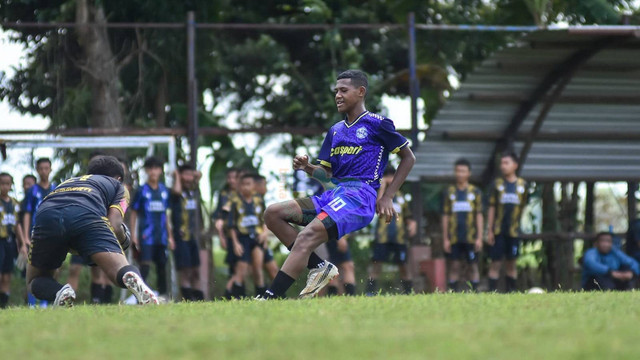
536	290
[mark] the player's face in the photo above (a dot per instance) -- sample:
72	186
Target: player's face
232	180
247	186
27	183
508	166
462	173
187	178
604	244
153	173
5	185
347	96
261	187
44	170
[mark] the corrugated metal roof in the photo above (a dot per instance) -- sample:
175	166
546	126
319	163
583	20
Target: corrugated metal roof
592	131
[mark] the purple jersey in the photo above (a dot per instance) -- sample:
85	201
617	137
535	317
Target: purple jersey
360	150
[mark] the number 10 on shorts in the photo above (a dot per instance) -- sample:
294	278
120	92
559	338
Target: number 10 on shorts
337	204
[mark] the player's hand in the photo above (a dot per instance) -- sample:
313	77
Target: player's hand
491	238
300	162
24	249
384	208
478	244
446	245
126	242
237	249
171	243
412	228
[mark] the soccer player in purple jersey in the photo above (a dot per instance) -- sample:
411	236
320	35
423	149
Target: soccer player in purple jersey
352	158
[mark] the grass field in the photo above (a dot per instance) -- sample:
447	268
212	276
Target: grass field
444	326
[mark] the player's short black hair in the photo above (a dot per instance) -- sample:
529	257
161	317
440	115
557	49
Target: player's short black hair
463	162
4	174
258	177
153	162
512	155
389	170
106	165
30	176
602	234
186	167
43	160
232	169
358	78
248	176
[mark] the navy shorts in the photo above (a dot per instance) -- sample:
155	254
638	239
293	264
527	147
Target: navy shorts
248	244
186	254
506	247
153	253
58	230
77	260
7	255
268	255
464	251
390	252
351	205
336	256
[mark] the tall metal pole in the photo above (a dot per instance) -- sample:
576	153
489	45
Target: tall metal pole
414	86
192	111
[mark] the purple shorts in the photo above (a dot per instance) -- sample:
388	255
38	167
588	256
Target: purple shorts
351	205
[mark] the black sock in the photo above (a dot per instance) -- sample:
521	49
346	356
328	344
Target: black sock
227	294
125	269
474	286
197	295
453	286
45	288
161	272
314	261
97	293
144	271
108	294
237	291
493	284
511	284
260	290
187	294
407	286
332	291
4	300
350	289
280	285
372	286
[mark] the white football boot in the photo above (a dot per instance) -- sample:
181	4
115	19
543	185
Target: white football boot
318	278
137	286
65	297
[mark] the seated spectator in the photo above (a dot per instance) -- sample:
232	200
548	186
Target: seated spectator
607	268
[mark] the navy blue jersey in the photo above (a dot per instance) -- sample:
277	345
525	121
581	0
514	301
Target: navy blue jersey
96	193
394	232
151	206
183	215
34	198
246	217
509	200
462	207
9	211
360	150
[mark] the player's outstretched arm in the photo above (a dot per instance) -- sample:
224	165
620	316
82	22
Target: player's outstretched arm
115	219
318	172
384	206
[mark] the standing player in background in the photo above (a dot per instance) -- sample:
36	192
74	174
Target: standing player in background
34	197
390	240
23	248
184	205
352	157
506	203
462	225
270	264
9	233
230	189
149	217
340	255
248	234
84	215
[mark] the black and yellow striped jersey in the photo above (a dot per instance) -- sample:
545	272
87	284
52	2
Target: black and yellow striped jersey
183	215
246	217
462	207
395	231
509	199
9	211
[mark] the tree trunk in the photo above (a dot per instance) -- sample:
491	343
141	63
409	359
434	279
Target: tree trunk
100	66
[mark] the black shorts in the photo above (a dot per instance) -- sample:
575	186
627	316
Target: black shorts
186	254
335	255
268	255
390	252
59	230
505	247
248	243
153	253
77	260
8	250
464	251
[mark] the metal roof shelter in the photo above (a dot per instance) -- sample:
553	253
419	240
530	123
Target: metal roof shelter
567	101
